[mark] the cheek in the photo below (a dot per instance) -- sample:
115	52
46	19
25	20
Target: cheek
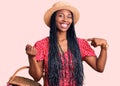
57	21
56	24
71	21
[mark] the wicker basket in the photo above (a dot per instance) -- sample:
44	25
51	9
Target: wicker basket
21	81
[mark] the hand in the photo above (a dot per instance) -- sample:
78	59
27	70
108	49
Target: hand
31	51
98	42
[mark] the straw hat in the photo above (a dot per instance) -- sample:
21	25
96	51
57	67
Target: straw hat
58	6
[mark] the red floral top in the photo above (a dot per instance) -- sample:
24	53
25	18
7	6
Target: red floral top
42	47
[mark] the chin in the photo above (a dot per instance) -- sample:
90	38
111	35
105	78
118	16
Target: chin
63	29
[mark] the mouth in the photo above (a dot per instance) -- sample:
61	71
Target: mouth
64	25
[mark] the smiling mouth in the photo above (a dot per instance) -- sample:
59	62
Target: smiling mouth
64	25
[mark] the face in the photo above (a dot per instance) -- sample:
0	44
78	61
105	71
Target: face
63	20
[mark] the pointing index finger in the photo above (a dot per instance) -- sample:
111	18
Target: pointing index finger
90	39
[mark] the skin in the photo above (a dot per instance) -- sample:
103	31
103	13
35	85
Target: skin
63	22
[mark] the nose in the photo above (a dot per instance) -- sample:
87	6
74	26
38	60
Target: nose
65	19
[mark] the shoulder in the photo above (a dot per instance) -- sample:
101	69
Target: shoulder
81	41
42	42
85	48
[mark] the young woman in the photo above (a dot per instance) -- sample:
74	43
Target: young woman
60	55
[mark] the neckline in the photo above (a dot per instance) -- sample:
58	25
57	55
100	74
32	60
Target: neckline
61	50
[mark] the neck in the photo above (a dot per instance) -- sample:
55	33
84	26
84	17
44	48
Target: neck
61	36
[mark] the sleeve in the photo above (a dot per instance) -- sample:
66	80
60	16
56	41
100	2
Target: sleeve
85	49
40	51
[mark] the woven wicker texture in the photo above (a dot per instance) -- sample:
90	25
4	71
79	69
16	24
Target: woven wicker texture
22	81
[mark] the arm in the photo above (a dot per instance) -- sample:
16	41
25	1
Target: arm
98	63
36	68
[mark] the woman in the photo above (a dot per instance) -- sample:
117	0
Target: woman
60	55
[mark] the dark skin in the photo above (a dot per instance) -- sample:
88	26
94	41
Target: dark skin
63	21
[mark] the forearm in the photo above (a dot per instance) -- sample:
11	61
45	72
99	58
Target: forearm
35	69
101	61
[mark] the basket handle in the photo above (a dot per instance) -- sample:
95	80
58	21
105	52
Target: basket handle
21	68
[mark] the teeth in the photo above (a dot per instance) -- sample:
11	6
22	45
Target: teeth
64	25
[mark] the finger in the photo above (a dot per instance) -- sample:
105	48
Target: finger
93	44
28	47
90	39
34	49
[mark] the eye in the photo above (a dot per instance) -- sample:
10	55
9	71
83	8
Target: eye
61	15
69	16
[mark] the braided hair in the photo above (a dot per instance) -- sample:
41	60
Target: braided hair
54	61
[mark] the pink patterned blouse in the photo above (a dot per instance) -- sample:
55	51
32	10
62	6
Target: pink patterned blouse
42	47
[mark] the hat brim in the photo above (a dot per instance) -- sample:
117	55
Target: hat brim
50	11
